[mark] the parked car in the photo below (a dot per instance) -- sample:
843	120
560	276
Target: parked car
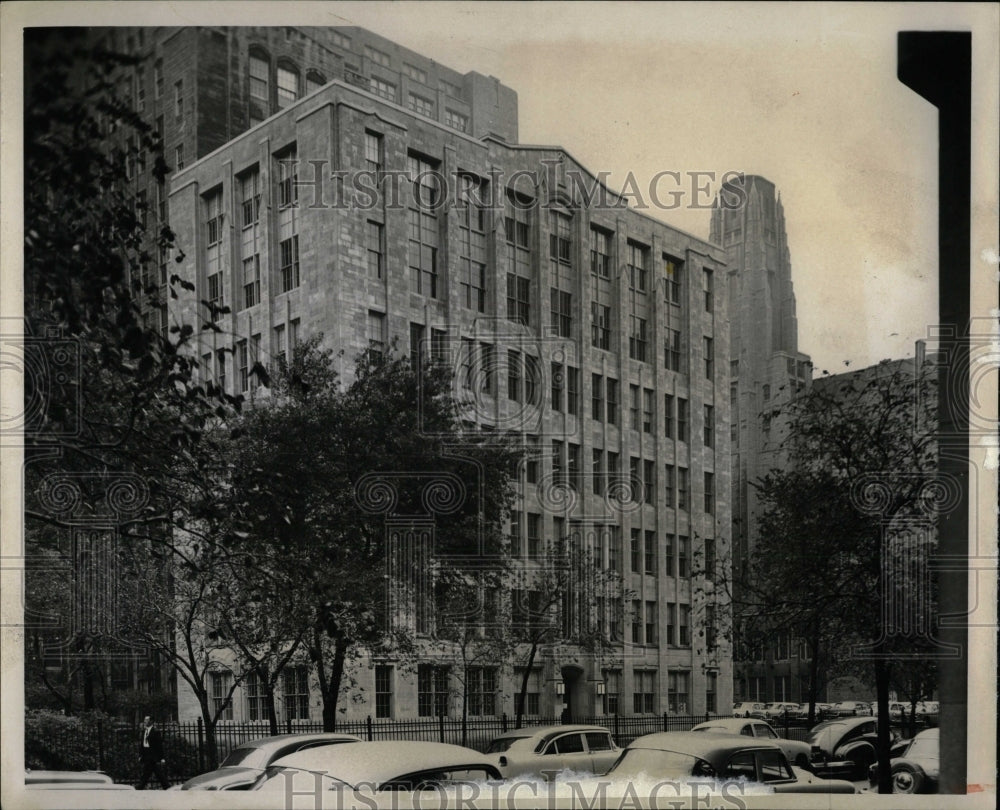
928	712
543	749
797	752
851	708
70	780
683	754
244	764
845	739
801	712
914	764
778	710
744	709
406	765
897	711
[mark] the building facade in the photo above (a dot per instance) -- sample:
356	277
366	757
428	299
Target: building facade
392	201
766	370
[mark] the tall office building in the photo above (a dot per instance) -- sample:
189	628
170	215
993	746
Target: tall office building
766	369
597	333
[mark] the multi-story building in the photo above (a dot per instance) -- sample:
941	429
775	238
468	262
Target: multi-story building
388	197
766	369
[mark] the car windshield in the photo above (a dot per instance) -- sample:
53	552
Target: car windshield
825	733
296	780
660	764
923	747
246	756
501	744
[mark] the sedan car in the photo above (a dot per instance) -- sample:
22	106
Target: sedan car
851	708
684	754
544	749
914	764
846	739
70	780
245	763
744	709
796	751
778	710
405	765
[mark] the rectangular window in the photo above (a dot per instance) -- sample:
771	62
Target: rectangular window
669	485
561	309
423	224
651	622
637	339
482	691
558	386
636	549
518	299
649	480
382	88
669	554
612	691
295	687
672	272
612	401
684	626
432	691
260	103
572	391
253	688
288	87
671	626
531	464
709	353
220	368
487	369
414	73
534	535
468	362
473	196
280	351
678	686
637	267
532	380
710	493
383	690
635	479
668	416
341	40
517	235
222	683
672	350
374	159
597	471
709	426
293	334
376	333
456	120
254	360
644	696
600	326
711	692
243	365
417	338
682	420
634	409
288	204
683	556
600	253
377	56
514	378
636	621
179	99
532	696
683	487
647	410
420	105
376	255
614	546
710	635
515	533
179	156
558	472
250	240
649	553
709	281
597	397
575	467
710	561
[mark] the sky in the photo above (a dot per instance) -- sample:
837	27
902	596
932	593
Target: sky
803	94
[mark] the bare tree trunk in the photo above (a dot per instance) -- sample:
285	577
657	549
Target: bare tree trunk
524	684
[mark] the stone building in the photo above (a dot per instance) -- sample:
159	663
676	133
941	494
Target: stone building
380	196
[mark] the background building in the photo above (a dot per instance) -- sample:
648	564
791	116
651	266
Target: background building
590	329
766	369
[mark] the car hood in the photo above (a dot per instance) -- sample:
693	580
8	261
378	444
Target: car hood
222	778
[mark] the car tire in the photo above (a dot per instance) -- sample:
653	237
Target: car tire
802	761
907	778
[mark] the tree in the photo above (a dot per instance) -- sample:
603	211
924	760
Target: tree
846	531
333	479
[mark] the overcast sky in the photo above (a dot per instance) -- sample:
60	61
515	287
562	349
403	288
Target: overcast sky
805	95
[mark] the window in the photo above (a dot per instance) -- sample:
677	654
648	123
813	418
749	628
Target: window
683	487
468	361
376	333
456	120
572	391
423	241
260	103
672	350
534	535
669	485
158	80
295	685
600	326
254	360
637	339
243	365
711	692
250	241
710	635
597	471
684	627
612	470
377	56
314	81
517	235
179	156
683	556
597	397
672	272
709	353
668	416
487	368
532	380
558	473
417	332
382	88
649	480
651	622
636	621
562	312
709	426
635	480
710	493
288	86
709	286
432	691
482	691
649	553
222	683
600	253
637	267
414	73
612	399
644	696
515	533
678	684
518	299
514	378
634	410
473	196
256	700
220	368
531	695
669	555
682	420
420	105
383	690
531	465
450	88
559	238
215	289
374	160
288	204
373	238
636	552
647	410
614	544
280	350
179	99
612	690
293	334
558	385
710	562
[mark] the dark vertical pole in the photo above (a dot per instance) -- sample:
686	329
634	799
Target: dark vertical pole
100	745
441	725
937	65
201	748
368	725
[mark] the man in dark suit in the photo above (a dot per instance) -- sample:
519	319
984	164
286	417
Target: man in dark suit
151	754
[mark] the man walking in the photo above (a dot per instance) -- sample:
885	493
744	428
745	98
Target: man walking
151	754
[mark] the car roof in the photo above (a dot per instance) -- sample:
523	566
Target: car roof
32	777
382	760
278	740
548	732
730	722
702	744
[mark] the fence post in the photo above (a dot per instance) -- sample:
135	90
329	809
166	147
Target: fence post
617	735
665	722
100	745
503	722
368	724
707	717
201	748
441	726
288	722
